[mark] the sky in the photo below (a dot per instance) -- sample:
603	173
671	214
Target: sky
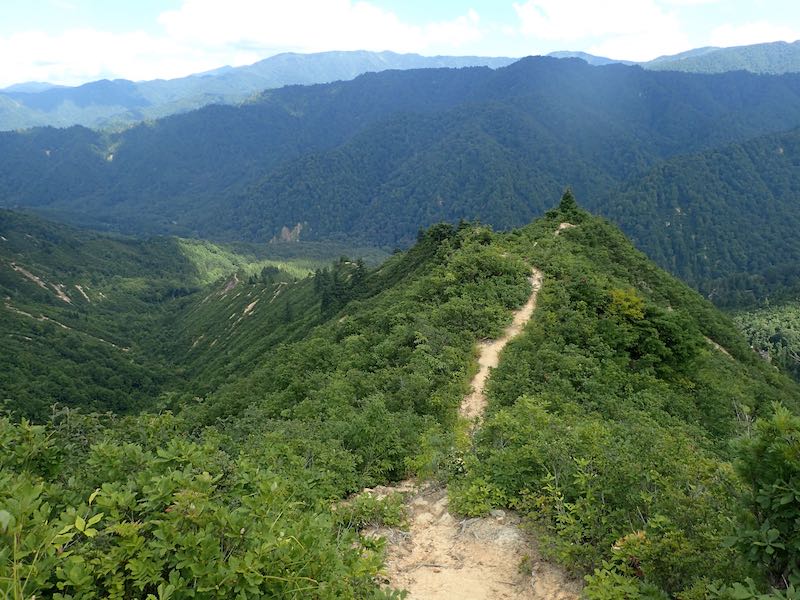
74	41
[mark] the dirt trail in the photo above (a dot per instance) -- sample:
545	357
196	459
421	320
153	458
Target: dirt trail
489	353
443	558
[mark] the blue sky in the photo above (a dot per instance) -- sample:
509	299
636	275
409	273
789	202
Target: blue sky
73	41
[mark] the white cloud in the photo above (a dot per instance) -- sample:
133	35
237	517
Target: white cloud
80	55
631	29
688	2
755	32
312	25
205	34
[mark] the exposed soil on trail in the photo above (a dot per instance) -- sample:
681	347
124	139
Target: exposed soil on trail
474	404
442	557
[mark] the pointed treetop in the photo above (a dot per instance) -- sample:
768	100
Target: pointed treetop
568	203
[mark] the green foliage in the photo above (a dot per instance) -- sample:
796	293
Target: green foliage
609	425
610	418
214	262
440	455
475	497
99	322
183	524
773	57
769	462
626	304
704	217
749	591
568	206
367	509
774	331
240	493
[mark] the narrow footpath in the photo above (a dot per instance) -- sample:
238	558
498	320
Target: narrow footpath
490	558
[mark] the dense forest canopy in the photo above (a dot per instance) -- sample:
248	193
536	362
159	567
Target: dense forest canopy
771	57
90	320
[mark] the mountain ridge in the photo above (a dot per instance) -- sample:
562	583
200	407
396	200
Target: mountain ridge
769	58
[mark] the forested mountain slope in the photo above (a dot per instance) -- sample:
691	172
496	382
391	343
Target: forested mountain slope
610	424
774	331
79	311
374	159
772	58
614	410
339	409
725	220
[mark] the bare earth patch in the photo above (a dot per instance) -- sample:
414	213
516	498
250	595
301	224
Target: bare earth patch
563	226
230	284
445	558
83	292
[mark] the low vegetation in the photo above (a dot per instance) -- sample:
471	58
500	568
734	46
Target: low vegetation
630	422
610	424
233	494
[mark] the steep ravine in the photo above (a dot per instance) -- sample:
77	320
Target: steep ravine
443	557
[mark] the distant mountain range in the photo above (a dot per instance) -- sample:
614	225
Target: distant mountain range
110	104
773	58
589	58
119	103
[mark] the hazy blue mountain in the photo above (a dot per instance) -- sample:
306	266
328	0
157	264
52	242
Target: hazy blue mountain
115	103
694	52
772	58
589	58
117	93
30	86
119	103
